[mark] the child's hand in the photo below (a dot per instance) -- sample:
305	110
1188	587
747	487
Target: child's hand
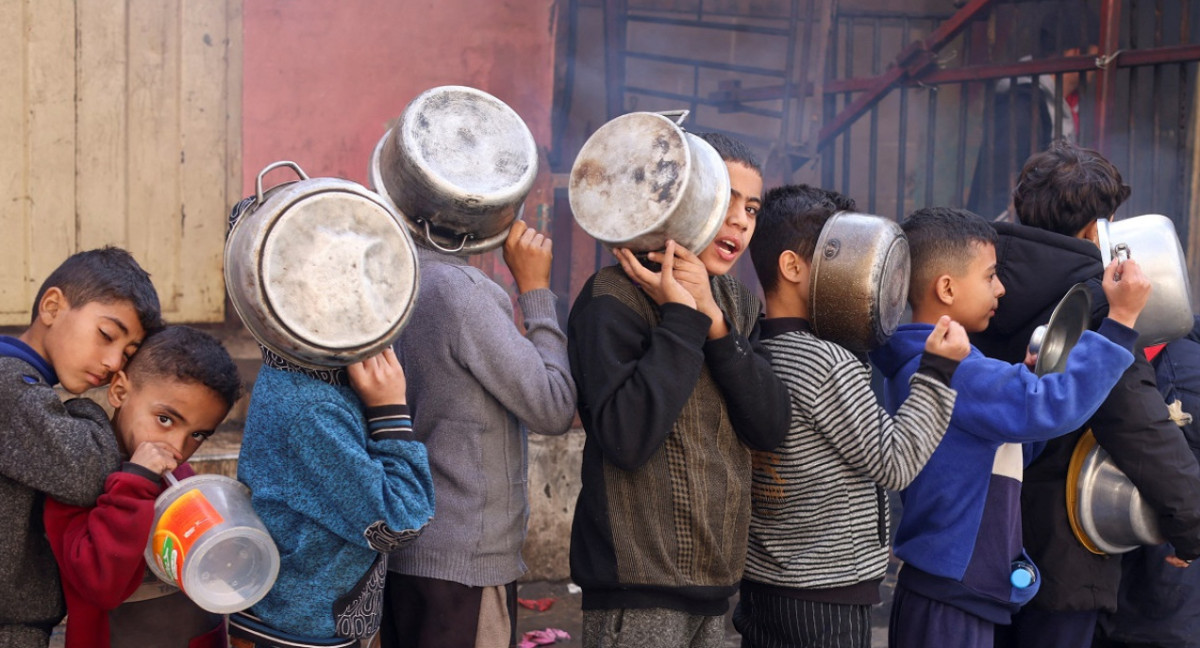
948	339
156	456
690	272
1176	561
1127	289
379	380
528	256
661	286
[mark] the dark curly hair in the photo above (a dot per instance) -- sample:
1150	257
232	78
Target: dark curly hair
106	275
1066	187
189	355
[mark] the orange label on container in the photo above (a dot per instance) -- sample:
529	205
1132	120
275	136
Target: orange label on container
185	520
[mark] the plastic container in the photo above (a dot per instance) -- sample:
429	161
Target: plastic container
207	541
1023	574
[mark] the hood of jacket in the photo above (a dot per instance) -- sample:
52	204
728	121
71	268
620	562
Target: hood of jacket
1037	268
906	345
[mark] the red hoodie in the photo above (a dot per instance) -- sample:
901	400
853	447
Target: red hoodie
100	556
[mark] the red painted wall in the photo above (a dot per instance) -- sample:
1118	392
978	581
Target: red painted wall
322	78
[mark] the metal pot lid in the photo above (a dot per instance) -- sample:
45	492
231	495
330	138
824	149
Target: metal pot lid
470	141
333	270
631	176
1069	320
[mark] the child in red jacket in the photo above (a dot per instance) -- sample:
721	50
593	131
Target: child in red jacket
174	392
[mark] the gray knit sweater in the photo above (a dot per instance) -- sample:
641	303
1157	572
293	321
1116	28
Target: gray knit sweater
474	384
65	450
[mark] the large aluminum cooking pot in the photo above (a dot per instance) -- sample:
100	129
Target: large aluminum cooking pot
320	270
859	281
640	180
1106	511
457	166
1152	241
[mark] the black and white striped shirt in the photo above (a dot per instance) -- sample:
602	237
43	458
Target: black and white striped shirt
820	514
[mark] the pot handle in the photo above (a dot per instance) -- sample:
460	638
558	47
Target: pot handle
429	239
258	187
677	115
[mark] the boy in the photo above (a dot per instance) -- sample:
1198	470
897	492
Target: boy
339	480
177	388
1062	192
481	385
819	527
674	391
1159	603
960	535
89	316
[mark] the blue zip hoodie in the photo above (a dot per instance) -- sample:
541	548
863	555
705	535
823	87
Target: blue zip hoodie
961	528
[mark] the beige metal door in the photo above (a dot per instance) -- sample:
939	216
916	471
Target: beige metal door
119	125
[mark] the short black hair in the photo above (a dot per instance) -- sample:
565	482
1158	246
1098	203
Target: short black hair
732	150
791	218
1066	25
188	355
1066	187
106	275
940	241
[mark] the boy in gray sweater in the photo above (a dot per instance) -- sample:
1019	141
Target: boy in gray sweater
89	316
475	383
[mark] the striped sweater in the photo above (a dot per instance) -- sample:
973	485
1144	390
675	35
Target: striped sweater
820	514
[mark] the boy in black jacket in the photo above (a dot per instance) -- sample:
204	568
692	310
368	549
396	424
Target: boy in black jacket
674	391
1060	195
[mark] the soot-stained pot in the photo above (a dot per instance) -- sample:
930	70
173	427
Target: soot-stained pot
640	179
320	270
457	167
1151	240
859	281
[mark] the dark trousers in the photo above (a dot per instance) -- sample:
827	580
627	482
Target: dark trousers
430	612
767	620
1037	628
920	622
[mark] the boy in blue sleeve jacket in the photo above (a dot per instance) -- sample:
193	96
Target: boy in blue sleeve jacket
960	537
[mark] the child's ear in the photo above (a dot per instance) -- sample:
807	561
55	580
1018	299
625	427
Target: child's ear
943	289
118	389
792	268
53	302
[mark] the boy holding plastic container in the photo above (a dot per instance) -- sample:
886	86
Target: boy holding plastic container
89	315
175	391
965	569
818	546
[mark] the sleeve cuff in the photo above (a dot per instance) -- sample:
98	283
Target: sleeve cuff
138	469
390	422
938	367
538	304
1118	333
